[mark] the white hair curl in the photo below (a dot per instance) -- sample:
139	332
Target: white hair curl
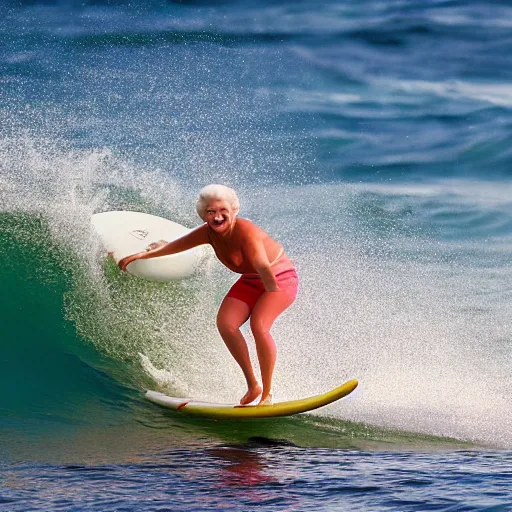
213	192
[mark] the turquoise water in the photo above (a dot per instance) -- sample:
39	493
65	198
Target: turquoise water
371	139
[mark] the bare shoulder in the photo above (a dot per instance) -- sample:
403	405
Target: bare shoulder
248	229
250	234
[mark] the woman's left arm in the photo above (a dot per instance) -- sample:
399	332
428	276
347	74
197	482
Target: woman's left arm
254	251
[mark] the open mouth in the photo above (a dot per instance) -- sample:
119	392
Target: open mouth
218	222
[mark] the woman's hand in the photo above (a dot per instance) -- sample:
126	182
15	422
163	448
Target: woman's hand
124	262
156	245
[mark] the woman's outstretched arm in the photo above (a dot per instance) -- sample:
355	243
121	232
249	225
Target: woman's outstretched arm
197	236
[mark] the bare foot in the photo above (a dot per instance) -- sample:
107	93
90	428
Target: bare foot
251	395
266	400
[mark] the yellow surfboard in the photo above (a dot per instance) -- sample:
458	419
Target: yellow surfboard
212	410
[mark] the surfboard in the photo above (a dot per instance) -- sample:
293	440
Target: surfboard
212	410
123	233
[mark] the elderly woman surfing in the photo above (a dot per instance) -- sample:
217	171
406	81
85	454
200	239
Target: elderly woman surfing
268	284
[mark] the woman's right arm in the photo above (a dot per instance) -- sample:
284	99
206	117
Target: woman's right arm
198	236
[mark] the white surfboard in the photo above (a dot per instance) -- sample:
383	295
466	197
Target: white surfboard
123	233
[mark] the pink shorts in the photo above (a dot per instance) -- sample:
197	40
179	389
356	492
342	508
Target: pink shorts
249	288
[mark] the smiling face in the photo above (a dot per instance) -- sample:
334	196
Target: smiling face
220	216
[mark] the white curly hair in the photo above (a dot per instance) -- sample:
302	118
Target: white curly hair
213	192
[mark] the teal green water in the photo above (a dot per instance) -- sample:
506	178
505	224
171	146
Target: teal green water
54	374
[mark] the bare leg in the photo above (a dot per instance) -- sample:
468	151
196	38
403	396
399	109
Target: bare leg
269	306
233	313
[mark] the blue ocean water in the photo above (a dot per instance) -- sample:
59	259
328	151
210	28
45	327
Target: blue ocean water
373	139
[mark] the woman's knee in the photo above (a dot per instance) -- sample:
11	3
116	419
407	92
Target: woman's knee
260	326
231	316
226	326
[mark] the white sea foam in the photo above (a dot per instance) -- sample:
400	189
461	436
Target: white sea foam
495	93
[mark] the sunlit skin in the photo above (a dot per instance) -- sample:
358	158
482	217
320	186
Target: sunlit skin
242	247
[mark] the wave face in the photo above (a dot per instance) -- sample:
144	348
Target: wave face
372	140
